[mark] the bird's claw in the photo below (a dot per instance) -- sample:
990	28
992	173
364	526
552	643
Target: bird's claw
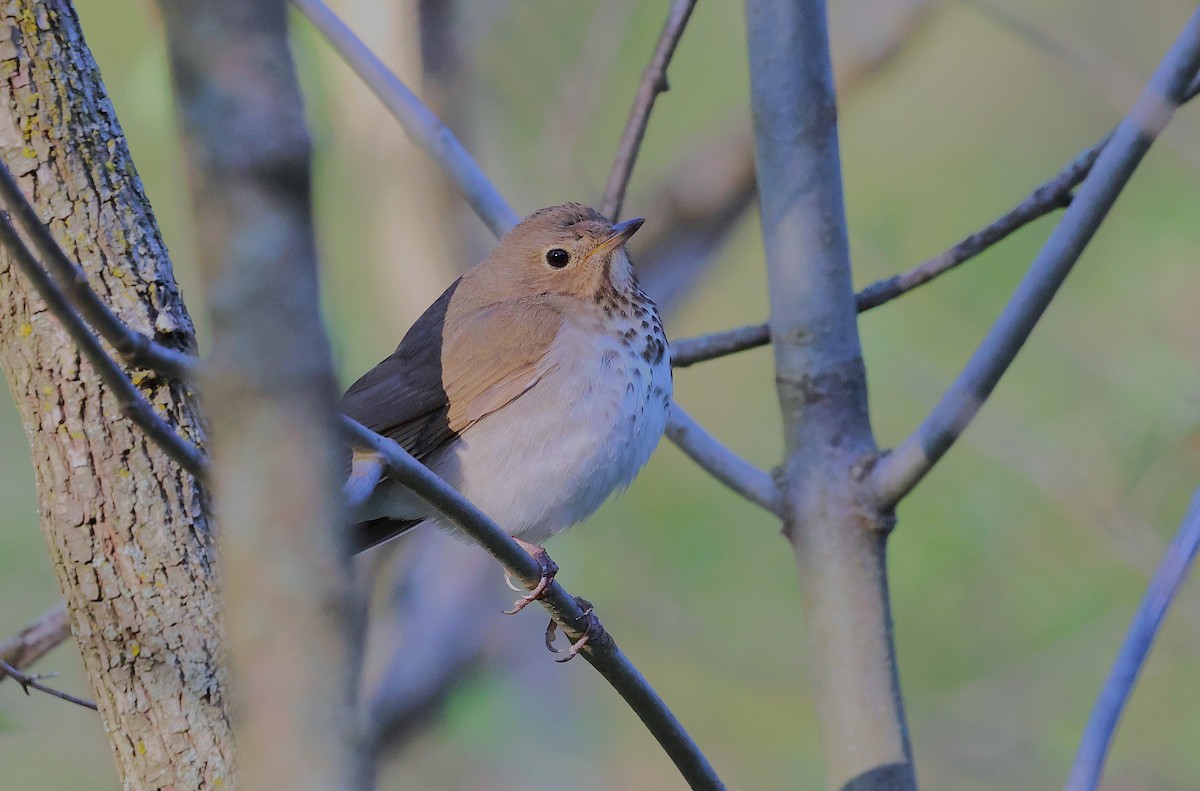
548	568
592	632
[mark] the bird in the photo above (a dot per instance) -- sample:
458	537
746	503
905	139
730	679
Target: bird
537	385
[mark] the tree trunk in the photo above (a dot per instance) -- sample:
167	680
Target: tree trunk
835	528
126	528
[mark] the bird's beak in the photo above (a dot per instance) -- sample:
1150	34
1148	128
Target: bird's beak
619	236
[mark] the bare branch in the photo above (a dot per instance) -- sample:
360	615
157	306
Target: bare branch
26	681
133	402
1050	196
1053	194
654	82
37	639
898	472
838	538
135	349
689	351
570	613
425	128
1102	725
723	464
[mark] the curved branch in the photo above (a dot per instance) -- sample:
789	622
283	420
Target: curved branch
723	464
653	82
133	402
897	473
425	128
135	348
571	613
1171	572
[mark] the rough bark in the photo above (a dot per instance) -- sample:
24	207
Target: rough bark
125	527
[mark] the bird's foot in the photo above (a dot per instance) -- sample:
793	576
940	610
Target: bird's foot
592	632
548	568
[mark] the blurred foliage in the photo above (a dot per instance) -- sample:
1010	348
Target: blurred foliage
1016	563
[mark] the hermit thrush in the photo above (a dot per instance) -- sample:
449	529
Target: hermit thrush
537	385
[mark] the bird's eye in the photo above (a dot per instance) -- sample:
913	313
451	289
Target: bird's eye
558	257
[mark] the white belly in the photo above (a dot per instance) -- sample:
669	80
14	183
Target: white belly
549	459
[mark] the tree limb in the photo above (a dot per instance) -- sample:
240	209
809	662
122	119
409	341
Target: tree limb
838	537
135	349
37	639
898	472
1110	704
723	464
133	403
425	128
653	82
571	613
26	681
1050	196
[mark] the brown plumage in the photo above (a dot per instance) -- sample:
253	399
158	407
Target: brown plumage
520	318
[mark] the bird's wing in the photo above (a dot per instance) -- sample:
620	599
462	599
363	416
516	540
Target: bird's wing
445	376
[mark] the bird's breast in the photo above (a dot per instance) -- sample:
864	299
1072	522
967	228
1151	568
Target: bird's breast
552	456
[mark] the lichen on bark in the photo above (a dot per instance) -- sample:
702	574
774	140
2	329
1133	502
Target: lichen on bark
127	530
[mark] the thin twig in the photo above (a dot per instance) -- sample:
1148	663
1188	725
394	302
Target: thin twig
1102	725
37	639
425	128
654	82
131	400
571	613
689	351
135	348
26	681
898	472
741	476
1052	195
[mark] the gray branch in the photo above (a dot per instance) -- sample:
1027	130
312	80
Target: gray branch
723	464
1047	198
838	537
571	613
1102	725
135	348
425	128
898	472
133	403
653	82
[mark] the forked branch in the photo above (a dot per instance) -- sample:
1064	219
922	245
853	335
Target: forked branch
898	472
1050	196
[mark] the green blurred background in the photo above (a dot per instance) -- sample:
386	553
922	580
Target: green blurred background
1016	564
